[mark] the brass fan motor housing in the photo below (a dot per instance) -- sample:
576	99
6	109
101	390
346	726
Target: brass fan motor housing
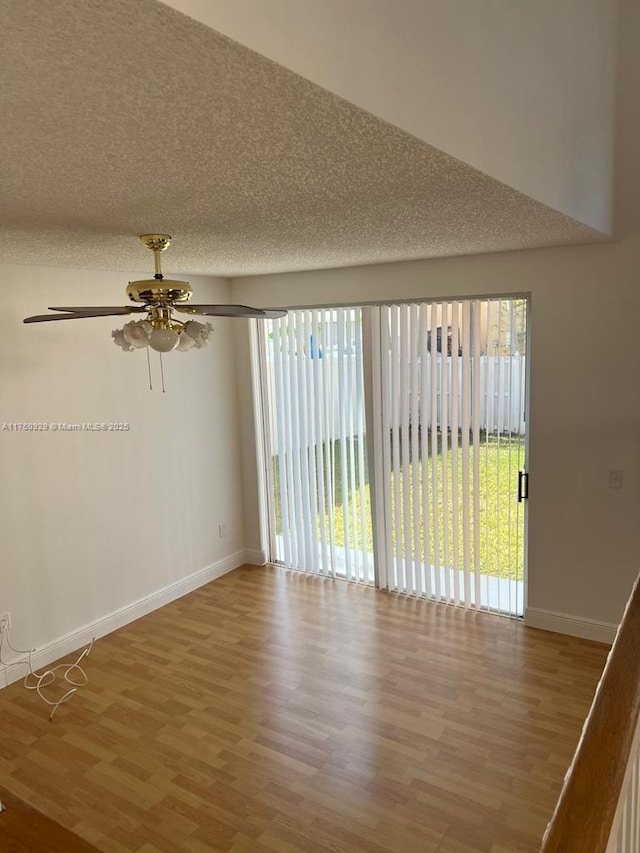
159	291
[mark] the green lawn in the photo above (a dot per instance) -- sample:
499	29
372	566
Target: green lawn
501	519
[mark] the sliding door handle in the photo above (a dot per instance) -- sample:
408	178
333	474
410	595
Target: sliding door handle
523	486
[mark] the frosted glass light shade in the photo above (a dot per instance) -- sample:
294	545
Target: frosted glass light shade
163	340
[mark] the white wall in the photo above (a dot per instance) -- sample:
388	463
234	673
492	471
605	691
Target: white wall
522	90
92	521
253	499
584	538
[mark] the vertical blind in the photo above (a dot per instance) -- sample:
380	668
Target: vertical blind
445	388
449	416
315	390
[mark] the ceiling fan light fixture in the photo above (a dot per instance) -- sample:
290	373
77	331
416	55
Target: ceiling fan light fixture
185	343
199	333
164	340
137	332
162	335
120	340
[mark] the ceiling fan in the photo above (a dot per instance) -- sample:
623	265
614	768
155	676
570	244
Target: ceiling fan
158	298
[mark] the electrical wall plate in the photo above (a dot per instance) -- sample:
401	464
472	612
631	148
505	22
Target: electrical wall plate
616	478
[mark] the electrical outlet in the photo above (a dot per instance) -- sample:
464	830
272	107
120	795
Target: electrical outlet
5	620
222	531
615	478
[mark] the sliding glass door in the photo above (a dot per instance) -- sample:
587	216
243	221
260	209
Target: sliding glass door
428	398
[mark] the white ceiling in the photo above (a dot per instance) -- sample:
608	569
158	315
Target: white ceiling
127	117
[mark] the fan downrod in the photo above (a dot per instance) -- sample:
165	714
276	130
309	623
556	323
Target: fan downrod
157	243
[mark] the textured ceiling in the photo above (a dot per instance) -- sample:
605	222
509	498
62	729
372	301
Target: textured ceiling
126	117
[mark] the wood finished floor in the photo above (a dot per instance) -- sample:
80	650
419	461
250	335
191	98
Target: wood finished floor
273	711
23	829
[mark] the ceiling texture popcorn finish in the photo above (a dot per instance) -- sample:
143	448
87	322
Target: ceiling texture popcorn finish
123	117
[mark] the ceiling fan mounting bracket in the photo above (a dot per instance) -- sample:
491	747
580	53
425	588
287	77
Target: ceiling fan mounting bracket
156	242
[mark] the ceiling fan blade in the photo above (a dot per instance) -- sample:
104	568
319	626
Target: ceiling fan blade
90	309
220	310
227	311
43	318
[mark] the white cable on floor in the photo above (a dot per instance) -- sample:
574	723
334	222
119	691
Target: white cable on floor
73	673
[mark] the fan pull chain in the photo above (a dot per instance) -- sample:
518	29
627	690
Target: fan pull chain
149	369
162	373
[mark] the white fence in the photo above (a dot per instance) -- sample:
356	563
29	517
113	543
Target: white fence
502	391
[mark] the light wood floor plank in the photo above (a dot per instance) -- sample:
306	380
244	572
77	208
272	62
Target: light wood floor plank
273	712
25	830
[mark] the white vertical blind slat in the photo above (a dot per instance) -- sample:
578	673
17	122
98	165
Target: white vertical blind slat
424	587
387	426
511	577
455	392
521	463
475	420
343	497
310	446
435	504
319	448
303	442
444	445
489	420
361	431
466	477
330	346
357	567
348	473
414	396
379	440
405	445
396	396
288	449
293	447
281	426
499	384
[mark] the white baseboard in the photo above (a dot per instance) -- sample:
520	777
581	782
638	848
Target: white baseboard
575	626
255	558
74	640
